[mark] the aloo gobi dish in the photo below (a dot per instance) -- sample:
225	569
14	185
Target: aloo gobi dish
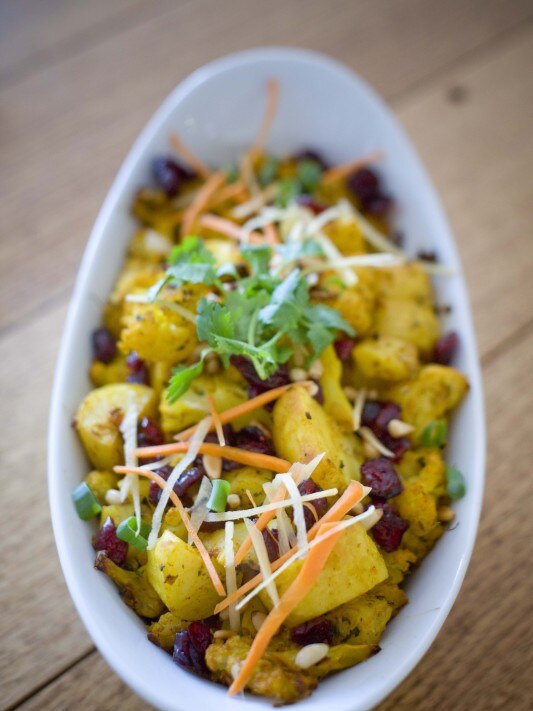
269	416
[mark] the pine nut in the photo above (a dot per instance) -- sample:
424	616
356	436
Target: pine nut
113	496
297	375
223	634
398	428
212	466
311	654
312	389
316	370
257	619
351	393
234	501
446	514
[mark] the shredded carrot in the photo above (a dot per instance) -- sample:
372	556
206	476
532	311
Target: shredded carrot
343	171
243	456
244	407
233	191
251	498
229	228
186	521
201	200
261	523
300	587
271	234
188	156
216	420
272	101
352	495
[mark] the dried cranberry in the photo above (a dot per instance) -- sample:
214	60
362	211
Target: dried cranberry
256	386
104	345
155	490
388	411
310	154
187	479
379	474
343	348
363	183
312	204
319	630
371	410
251	438
138	372
270	538
308	486
388	531
169	175
106	540
445	348
149	434
377	416
378	205
397	445
190	646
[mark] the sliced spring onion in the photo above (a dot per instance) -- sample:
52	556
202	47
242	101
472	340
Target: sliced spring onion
434	434
219	495
127	531
456	486
85	501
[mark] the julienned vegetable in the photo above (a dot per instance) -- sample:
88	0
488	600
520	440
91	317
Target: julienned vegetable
269	418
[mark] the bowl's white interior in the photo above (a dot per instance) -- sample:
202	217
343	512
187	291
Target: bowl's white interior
217	111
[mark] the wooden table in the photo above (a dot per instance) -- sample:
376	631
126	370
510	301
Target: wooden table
79	80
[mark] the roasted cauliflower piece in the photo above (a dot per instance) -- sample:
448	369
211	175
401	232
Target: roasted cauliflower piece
162	632
98	417
270	678
134	587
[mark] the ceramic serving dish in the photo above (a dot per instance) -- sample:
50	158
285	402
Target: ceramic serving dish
217	111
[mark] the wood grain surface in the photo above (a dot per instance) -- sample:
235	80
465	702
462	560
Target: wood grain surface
77	83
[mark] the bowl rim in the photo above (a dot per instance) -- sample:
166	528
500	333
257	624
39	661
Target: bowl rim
112	200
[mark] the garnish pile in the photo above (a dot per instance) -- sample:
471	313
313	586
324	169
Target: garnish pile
270	412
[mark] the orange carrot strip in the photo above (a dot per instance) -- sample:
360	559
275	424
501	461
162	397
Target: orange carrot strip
186	521
216	420
272	101
343	171
188	156
244	407
201	200
271	234
229	228
243	456
233	191
351	496
312	567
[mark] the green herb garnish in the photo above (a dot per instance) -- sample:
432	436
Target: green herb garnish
128	531
190	262
219	495
268	171
434	434
85	501
309	174
288	191
456	485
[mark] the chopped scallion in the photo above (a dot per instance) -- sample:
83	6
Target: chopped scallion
456	486
127	531
85	501
219	496
434	434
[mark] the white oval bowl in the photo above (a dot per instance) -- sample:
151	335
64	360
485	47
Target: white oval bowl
217	110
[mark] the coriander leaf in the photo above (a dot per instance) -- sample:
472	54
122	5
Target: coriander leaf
182	377
227	270
286	302
319	338
309	173
258	257
191	250
329	318
193	273
213	319
153	292
456	486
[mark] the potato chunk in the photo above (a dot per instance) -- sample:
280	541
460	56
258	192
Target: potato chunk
336	403
386	358
178	575
435	391
302	429
248	479
353	567
340	656
406	281
97	425
409	320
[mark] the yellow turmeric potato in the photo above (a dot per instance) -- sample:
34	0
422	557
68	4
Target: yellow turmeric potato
178	575
410	321
248	479
336	403
357	303
106	373
406	281
386	358
353	567
194	404
340	656
432	395
100	481
159	376
419	509
302	430
157	333
98	416
361	620
150	246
